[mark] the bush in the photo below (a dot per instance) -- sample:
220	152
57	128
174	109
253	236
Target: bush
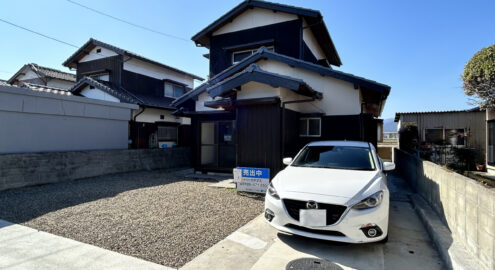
464	159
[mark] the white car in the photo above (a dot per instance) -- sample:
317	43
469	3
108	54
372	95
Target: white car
332	190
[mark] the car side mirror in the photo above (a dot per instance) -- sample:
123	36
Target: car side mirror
287	160
388	166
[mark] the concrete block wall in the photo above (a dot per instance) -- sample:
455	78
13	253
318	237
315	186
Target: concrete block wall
466	206
20	170
34	121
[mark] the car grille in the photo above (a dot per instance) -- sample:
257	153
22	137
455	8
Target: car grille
322	232
334	212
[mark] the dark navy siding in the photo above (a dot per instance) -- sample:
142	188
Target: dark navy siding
307	54
286	36
112	64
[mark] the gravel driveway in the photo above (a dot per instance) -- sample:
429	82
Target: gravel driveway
159	216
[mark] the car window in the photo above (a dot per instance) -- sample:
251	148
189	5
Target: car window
336	157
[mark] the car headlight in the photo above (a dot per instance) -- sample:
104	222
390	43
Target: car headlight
272	191
370	202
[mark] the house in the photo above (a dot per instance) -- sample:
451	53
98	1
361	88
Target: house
272	89
461	128
490	141
110	73
43	76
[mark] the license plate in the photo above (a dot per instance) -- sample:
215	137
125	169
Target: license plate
313	217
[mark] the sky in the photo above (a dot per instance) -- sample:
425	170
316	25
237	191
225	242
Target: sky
417	47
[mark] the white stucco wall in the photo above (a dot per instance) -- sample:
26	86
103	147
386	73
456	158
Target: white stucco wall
255	17
28	75
339	97
152	115
98	94
148	69
93	55
60	83
312	43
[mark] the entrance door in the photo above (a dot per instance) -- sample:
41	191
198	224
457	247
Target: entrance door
218	145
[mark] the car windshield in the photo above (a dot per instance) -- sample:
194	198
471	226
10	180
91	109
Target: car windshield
336	157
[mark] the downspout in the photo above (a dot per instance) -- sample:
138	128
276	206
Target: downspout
283	119
134	119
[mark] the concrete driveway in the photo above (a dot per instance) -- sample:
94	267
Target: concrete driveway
258	246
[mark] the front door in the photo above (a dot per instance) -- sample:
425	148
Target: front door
218	145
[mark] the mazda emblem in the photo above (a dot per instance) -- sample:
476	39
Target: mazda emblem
312	205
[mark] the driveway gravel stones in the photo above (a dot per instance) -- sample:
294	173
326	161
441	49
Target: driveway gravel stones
160	216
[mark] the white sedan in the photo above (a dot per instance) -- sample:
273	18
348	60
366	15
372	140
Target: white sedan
332	190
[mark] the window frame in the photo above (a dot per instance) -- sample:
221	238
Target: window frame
173	90
306	119
160	139
492	152
252	51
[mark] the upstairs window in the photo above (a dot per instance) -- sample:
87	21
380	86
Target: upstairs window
310	127
174	90
238	56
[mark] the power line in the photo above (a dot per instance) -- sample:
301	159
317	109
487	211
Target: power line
38	33
128	22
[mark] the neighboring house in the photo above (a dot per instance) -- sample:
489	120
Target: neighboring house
464	128
490	141
272	90
110	73
36	74
4	83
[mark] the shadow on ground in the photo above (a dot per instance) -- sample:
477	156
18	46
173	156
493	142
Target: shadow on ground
27	203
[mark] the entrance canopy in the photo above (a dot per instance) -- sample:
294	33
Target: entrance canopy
255	74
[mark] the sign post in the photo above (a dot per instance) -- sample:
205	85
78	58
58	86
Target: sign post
254	180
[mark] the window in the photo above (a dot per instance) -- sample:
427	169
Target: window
167	133
174	90
336	157
455	136
491	142
98	50
310	127
240	55
100	76
434	135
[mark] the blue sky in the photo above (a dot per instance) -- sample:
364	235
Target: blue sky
418	47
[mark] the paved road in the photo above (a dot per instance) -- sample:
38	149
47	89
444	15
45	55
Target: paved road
258	246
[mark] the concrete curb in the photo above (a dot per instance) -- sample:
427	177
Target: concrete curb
452	253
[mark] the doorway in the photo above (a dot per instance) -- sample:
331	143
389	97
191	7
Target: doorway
218	148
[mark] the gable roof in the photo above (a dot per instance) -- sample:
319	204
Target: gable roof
124	95
263	53
255	74
312	17
91	43
4	83
47	72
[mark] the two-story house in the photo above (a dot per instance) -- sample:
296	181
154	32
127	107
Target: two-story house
272	89
110	73
33	75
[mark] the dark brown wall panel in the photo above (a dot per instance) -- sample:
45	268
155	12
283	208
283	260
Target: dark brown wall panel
113	64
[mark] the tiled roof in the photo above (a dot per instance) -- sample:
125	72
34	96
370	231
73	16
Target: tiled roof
54	73
255	73
263	53
125	95
94	42
44	88
45	72
312	17
4	82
